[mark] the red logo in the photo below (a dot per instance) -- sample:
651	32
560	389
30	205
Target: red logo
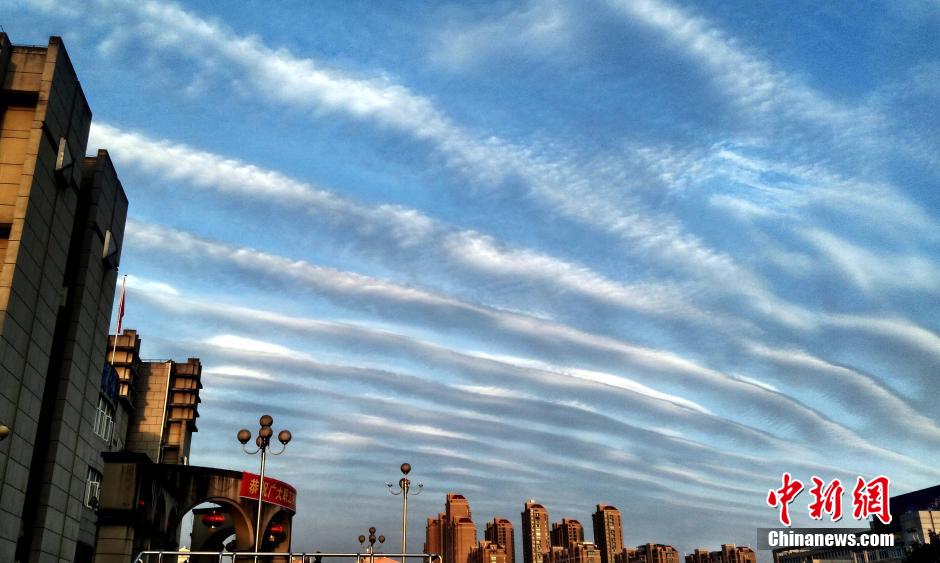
869	498
783	496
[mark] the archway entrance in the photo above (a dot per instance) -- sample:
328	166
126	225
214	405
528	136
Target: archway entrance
223	505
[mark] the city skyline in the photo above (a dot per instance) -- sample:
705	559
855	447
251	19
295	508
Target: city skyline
453	535
653	253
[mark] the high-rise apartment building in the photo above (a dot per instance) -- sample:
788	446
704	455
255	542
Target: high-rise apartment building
487	552
567	533
455	529
730	553
697	556
649	553
61	226
499	531
581	552
608	531
433	535
536	542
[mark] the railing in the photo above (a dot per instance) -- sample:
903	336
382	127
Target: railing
289	557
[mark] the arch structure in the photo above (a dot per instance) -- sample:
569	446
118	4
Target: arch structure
143	503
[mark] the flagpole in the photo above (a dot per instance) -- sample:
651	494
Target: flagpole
117	328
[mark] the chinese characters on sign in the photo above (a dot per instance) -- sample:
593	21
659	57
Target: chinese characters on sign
869	498
275	492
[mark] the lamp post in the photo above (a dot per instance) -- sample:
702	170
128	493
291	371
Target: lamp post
404	485
372	538
263	441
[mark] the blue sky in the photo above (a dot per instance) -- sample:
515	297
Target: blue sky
645	253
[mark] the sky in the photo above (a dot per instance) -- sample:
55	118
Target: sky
649	253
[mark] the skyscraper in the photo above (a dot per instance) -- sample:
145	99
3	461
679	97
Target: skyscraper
453	533
61	227
535	536
487	552
461	532
608	532
567	533
500	532
650	553
432	536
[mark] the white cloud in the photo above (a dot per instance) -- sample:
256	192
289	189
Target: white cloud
871	271
540	26
402	228
250	345
235	371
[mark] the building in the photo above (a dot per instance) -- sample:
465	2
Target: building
567	533
649	553
730	553
453	533
582	552
61	227
164	396
536	542
894	554
433	535
697	556
487	552
914	516
608	531
500	532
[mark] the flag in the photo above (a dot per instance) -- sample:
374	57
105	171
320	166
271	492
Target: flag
121	306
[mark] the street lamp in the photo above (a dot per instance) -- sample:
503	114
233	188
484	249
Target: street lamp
372	538
404	484
263	441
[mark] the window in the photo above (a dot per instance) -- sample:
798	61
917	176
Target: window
92	488
104	419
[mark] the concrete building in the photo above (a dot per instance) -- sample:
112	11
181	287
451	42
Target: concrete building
608	531
500	532
729	553
698	556
487	552
165	413
433	535
581	552
649	553
61	226
453	533
914	517
567	533
894	554
536	542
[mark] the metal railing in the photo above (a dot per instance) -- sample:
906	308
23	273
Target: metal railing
288	557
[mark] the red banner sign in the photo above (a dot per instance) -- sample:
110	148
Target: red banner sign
275	492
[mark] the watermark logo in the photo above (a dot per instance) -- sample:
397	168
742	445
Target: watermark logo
802	538
869	498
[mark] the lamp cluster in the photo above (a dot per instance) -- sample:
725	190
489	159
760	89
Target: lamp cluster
263	440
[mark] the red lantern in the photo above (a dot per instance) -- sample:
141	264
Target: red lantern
214	519
277	529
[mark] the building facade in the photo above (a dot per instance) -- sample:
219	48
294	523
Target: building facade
649	553
567	533
536	542
453	533
61	226
608	531
499	531
487	552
